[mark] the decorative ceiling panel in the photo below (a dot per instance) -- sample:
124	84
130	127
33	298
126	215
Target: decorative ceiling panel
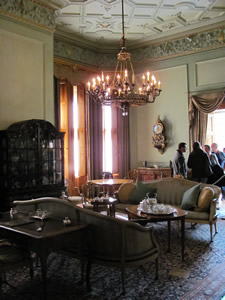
98	22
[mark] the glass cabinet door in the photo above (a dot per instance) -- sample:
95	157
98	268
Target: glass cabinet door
23	155
51	158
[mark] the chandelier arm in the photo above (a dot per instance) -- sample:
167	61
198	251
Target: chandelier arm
114	77
132	70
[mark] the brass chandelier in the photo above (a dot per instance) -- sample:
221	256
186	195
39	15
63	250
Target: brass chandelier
123	91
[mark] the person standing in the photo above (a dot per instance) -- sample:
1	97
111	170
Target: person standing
200	164
212	156
216	168
179	164
220	155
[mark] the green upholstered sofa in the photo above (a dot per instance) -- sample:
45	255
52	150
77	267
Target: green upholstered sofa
170	191
115	242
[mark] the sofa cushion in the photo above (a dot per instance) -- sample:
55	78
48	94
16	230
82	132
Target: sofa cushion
125	191
140	192
205	197
190	197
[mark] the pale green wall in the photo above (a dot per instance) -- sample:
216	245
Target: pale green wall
172	106
181	77
26	73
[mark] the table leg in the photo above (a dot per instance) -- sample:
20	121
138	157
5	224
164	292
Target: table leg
182	236
169	226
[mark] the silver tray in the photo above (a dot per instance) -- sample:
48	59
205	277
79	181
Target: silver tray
161	213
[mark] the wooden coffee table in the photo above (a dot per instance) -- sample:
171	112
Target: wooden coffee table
143	218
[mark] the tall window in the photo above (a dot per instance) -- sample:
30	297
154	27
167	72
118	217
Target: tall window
215	128
110	142
107	138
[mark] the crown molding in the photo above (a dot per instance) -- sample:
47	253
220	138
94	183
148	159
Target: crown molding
80	42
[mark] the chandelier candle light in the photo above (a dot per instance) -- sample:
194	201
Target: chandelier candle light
122	91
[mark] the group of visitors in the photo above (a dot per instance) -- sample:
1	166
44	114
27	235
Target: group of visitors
207	165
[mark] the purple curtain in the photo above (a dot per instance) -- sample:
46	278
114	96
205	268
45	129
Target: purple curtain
94	138
123	144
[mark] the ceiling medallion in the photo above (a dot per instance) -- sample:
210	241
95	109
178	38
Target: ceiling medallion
123	90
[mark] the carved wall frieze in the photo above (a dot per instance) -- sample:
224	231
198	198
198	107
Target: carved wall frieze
183	46
29	11
84	56
168	49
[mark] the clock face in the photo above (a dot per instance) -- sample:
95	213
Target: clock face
158	129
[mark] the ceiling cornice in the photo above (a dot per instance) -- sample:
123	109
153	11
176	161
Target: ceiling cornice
76	41
191	43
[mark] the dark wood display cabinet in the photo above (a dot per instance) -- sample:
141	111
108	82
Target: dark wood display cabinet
31	162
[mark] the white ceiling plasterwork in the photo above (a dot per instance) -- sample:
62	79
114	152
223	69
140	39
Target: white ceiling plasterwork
98	22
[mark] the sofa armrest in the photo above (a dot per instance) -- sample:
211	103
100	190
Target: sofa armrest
212	209
56	207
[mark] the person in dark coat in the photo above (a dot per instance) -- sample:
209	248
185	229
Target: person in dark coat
200	164
179	164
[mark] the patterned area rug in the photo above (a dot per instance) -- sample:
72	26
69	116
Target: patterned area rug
200	276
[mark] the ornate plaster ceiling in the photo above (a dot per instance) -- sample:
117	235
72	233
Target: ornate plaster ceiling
98	22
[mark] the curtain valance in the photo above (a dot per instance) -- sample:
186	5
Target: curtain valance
199	108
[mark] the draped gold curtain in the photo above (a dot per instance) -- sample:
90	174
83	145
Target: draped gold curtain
66	121
199	108
57	102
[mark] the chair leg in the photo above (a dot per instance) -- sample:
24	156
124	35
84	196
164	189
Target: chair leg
193	225
211	235
215	228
